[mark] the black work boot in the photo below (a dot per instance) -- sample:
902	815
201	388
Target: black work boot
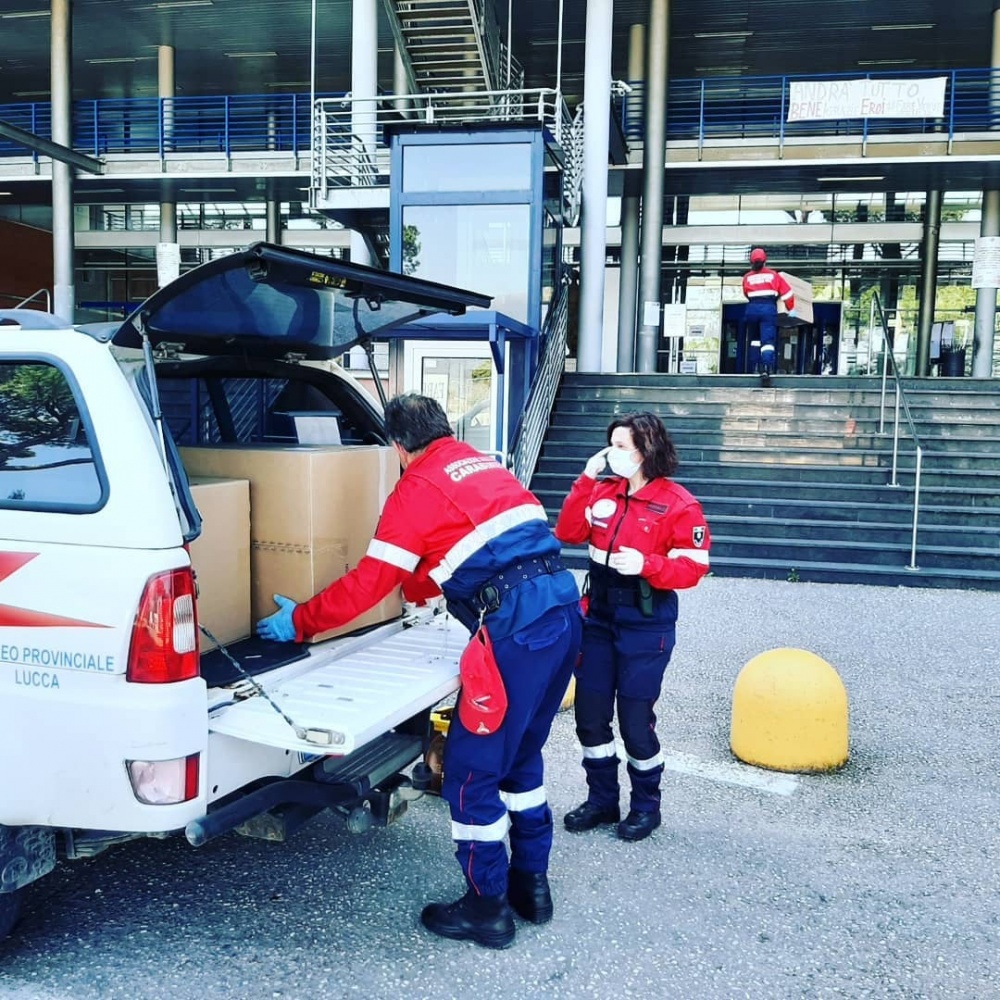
638	825
589	814
487	920
528	893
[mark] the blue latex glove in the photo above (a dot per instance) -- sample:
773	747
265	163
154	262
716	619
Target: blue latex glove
279	627
791	312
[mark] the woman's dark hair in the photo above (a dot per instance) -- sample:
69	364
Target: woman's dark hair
414	421
659	457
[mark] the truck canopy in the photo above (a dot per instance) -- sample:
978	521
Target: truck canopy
271	302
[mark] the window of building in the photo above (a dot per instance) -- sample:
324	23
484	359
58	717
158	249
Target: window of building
470	167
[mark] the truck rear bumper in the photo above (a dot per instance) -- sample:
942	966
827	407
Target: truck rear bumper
367	780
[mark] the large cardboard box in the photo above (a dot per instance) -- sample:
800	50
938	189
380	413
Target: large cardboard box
313	511
803	292
221	558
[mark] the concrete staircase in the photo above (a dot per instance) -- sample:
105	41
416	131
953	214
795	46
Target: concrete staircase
794	479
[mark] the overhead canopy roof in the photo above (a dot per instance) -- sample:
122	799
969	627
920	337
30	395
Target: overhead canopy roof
262	46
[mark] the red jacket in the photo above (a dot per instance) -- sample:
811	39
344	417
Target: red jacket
455	519
662	520
768	284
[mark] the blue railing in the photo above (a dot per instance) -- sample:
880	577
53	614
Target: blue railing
756	107
151	125
737	107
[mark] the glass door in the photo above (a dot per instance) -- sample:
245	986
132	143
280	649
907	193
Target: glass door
462	378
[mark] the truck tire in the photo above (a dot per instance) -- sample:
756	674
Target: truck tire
10	910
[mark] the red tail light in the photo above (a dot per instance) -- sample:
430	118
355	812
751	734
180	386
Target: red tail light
165	635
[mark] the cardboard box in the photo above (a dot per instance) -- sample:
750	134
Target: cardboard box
803	292
313	512
221	558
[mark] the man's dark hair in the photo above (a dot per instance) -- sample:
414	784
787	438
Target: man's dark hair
659	457
414	421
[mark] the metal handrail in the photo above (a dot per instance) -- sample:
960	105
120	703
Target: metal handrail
889	361
341	157
534	420
31	298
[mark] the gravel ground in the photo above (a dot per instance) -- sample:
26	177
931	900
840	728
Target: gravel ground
880	880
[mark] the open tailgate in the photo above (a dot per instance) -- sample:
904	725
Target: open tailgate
358	690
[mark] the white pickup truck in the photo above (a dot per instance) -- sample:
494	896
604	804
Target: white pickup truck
113	725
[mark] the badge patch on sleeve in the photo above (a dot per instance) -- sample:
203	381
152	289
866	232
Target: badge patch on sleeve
698	536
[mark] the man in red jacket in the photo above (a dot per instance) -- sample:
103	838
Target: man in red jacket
763	287
458	523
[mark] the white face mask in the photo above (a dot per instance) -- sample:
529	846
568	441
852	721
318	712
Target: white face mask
621	463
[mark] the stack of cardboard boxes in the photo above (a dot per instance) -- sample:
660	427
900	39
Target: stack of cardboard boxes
283	521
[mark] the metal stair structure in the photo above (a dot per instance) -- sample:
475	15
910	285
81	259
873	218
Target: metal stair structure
452	45
795	479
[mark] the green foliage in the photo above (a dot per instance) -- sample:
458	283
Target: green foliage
793	575
36	408
411	249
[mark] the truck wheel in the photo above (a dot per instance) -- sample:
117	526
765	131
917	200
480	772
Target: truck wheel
10	909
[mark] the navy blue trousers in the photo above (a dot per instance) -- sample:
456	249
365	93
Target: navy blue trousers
763	314
623	664
495	784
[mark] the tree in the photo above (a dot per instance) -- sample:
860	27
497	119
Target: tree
36	408
411	249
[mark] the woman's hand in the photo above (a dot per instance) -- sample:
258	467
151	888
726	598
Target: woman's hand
596	463
628	562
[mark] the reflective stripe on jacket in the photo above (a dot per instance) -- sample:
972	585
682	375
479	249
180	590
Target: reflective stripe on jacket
455	519
766	283
662	520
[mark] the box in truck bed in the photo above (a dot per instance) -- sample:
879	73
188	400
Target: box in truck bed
221	558
313	512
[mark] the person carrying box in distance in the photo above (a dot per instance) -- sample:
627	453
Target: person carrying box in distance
648	539
763	287
458	523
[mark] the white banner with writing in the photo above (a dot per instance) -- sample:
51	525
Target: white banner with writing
819	100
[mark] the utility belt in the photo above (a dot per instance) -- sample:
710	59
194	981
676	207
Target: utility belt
470	611
605	590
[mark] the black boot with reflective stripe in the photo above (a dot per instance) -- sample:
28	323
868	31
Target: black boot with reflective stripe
487	920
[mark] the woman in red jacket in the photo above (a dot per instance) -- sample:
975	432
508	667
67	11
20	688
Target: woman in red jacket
648	539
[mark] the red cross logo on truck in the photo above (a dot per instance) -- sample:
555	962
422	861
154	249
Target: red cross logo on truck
10	563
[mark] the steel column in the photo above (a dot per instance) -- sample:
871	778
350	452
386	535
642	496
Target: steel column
984	336
400	82
654	156
272	219
61	87
596	135
628	292
631	203
364	90
986	298
165	88
928	279
995	63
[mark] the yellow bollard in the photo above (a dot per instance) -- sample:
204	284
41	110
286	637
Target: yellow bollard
570	697
790	713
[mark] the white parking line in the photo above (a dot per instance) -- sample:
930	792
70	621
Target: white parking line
731	774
